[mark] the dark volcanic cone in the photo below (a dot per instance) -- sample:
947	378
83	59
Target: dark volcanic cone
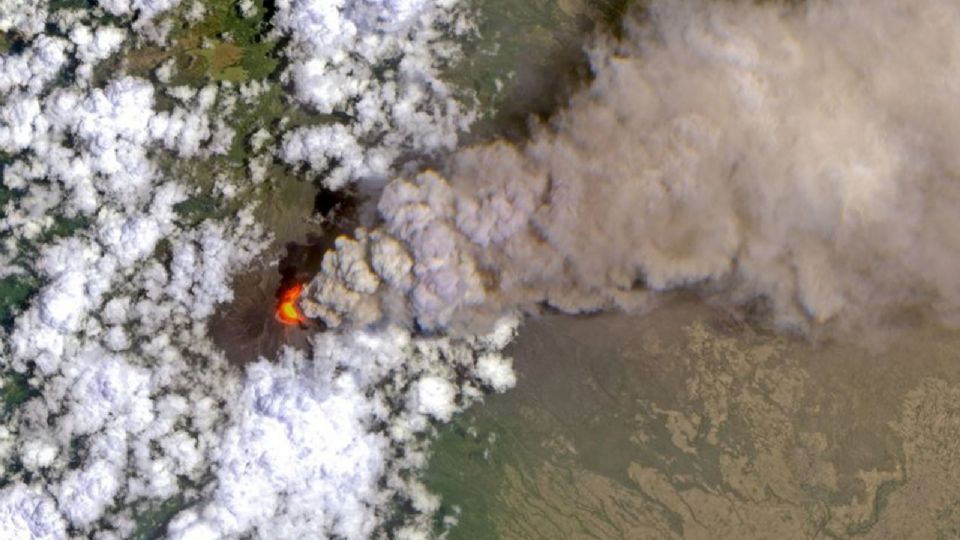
247	328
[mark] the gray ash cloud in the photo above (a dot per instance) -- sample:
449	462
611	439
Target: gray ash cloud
804	155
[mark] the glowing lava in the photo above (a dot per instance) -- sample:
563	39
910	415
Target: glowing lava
287	310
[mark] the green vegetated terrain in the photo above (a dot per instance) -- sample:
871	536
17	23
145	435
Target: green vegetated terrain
527	56
223	46
688	425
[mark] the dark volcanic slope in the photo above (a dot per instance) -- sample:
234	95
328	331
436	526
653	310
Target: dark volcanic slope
247	328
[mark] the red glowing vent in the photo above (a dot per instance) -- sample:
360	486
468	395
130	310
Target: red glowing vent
287	310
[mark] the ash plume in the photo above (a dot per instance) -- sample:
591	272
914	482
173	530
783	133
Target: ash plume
803	155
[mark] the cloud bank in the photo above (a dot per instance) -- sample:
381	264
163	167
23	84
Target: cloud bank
129	411
377	63
325	445
799	157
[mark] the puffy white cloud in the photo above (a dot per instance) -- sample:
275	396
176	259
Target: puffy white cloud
26	513
338	52
128	238
85	494
313	438
105	389
328	146
436	397
390	15
247	8
38	453
96	142
188	526
34	67
205	258
166	70
21	121
497	371
115	405
26	16
185	130
62	303
145	9
94	45
80	272
299	460
107	127
126	408
326	87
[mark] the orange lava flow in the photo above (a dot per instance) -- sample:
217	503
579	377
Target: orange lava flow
287	310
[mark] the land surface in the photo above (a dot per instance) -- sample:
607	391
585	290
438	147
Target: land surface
687	424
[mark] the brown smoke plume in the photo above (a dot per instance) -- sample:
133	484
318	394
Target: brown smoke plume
806	155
